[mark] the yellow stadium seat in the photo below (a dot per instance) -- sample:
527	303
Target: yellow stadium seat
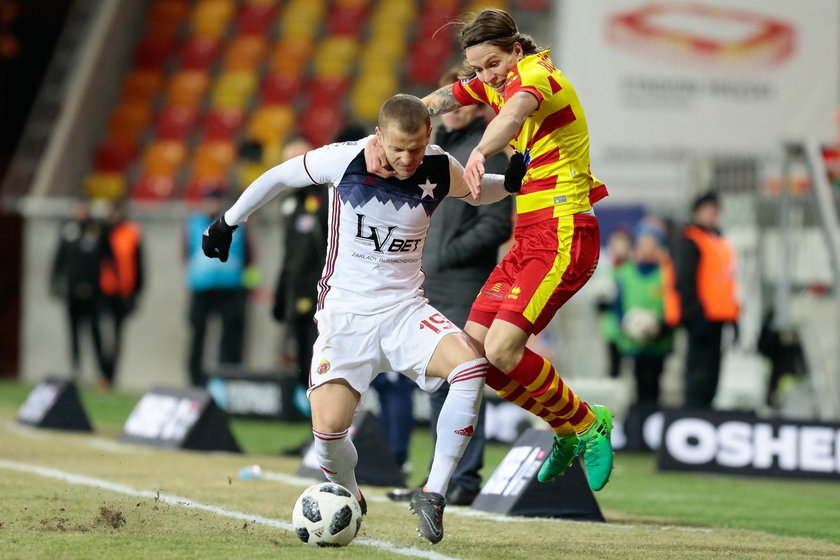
110	186
368	94
210	18
336	56
271	123
302	18
233	90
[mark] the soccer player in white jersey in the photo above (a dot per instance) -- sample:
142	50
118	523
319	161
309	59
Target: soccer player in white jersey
371	313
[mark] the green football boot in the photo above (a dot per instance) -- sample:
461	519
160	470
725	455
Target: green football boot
596	447
563	452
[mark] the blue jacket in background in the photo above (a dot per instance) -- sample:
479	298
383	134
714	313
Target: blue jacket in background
204	273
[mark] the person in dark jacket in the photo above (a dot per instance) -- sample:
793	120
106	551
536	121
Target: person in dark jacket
82	248
305	251
705	281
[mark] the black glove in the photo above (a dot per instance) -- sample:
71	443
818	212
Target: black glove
217	239
515	172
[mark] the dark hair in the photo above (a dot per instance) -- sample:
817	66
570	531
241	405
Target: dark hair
407	112
497	28
710	197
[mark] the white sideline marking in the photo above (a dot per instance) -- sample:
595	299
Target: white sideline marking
85	480
465	511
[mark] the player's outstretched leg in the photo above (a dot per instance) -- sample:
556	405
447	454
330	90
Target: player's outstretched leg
596	447
428	507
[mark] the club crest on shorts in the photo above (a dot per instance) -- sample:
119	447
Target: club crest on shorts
323	366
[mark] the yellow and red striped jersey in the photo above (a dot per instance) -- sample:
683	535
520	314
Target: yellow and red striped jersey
554	140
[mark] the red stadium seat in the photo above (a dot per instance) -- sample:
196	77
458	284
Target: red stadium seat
198	186
128	120
152	51
200	53
347	18
153	188
166	16
114	157
320	124
175	122
280	89
222	124
255	19
141	84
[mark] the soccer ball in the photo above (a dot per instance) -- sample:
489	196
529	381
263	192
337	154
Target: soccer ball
640	324
327	514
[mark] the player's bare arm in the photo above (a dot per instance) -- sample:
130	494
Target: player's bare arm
501	130
441	101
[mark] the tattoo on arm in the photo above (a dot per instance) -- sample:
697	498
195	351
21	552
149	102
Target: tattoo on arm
441	101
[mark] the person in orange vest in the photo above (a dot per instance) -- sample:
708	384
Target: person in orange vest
707	292
120	281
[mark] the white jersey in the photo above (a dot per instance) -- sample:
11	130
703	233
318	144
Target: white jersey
377	227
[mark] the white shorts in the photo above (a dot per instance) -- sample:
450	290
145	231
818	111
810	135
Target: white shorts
357	348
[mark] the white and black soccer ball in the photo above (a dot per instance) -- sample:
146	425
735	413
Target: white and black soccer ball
640	324
327	514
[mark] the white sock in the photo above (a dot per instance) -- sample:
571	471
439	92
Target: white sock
457	421
337	457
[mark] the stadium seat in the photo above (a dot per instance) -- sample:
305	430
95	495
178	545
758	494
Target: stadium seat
368	94
187	87
245	52
221	124
114	157
210	18
255	19
199	53
198	186
319	124
163	157
271	123
128	120
302	18
233	90
347	18
107	185
326	90
336	56
280	88
153	188
152	51
478	5
213	159
141	84
166	16
290	55
175	122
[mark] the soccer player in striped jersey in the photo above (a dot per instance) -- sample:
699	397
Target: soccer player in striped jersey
556	237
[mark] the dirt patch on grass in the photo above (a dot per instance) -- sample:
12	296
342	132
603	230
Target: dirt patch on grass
110	516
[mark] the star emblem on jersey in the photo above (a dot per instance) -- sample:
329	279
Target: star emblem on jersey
428	189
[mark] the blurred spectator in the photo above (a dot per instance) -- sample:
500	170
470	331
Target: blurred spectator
217	288
82	248
619	244
121	280
305	212
705	280
642	283
461	249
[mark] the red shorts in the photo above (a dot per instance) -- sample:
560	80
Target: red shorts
550	261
